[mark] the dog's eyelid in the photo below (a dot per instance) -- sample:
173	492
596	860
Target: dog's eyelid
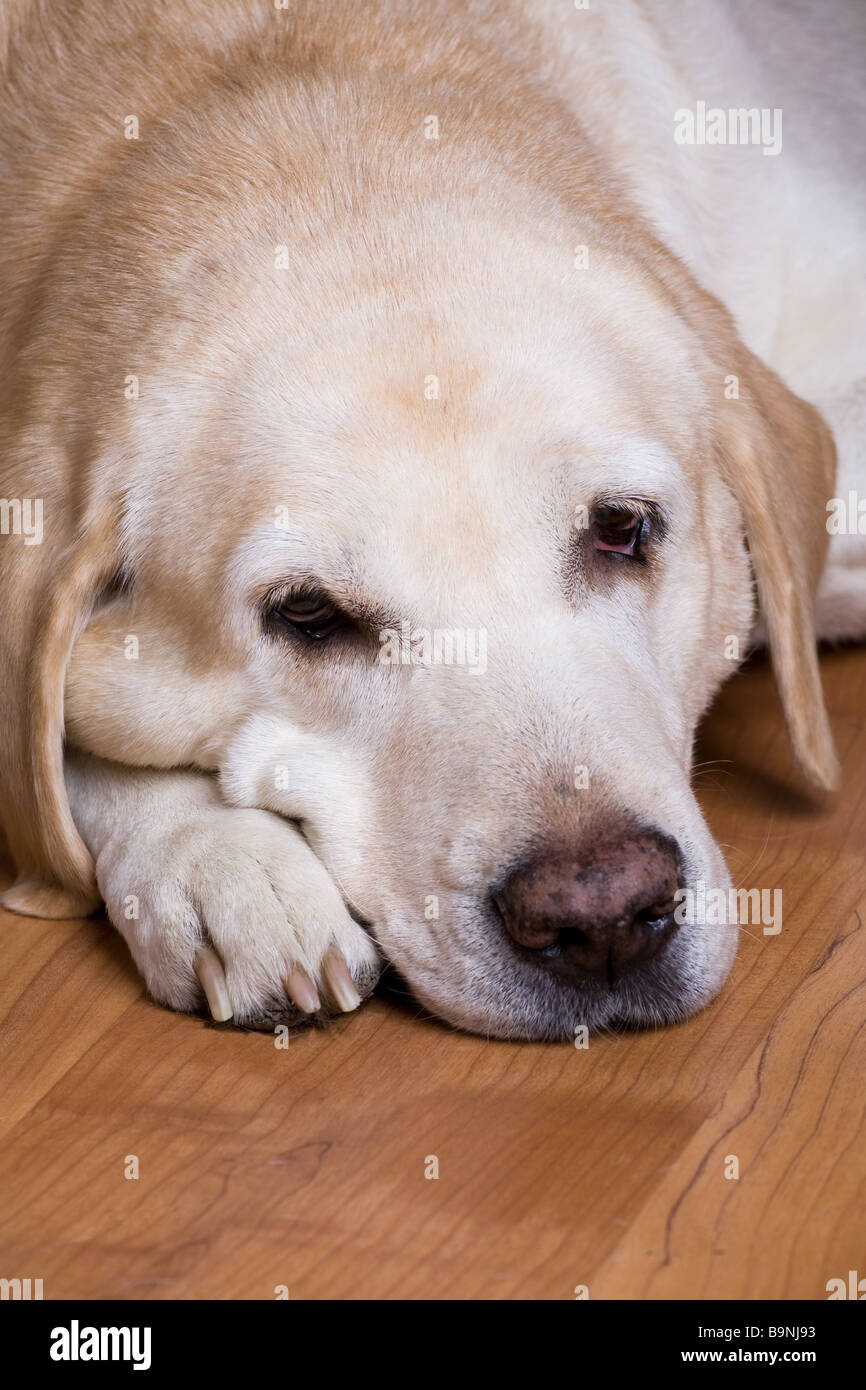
293	590
645	508
312	593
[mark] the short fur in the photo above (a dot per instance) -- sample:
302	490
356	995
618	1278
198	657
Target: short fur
291	382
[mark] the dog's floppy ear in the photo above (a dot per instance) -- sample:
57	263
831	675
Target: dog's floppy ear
55	869
779	460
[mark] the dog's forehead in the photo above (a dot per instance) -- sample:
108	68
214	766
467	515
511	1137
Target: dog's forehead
448	440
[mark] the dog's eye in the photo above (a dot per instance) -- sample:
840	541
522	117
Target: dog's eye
617	529
311	613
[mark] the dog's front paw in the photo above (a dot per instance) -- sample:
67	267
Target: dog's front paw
234	907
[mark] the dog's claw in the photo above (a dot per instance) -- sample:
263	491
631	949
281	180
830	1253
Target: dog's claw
209	969
340	982
302	991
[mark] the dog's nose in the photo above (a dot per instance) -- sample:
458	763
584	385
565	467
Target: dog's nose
599	913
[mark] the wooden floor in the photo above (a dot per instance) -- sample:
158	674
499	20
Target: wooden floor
305	1167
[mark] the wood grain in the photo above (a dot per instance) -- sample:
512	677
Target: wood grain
305	1167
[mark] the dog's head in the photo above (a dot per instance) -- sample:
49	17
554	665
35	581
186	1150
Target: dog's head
441	550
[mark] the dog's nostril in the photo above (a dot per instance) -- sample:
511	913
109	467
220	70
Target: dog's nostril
658	916
529	930
612	908
568	941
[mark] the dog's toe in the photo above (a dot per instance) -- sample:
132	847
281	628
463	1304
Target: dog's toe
245	924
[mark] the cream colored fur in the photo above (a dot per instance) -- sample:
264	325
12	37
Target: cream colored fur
285	333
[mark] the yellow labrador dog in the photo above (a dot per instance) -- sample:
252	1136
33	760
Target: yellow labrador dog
402	405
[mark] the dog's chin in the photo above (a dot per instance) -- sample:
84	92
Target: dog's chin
548	1011
510	998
